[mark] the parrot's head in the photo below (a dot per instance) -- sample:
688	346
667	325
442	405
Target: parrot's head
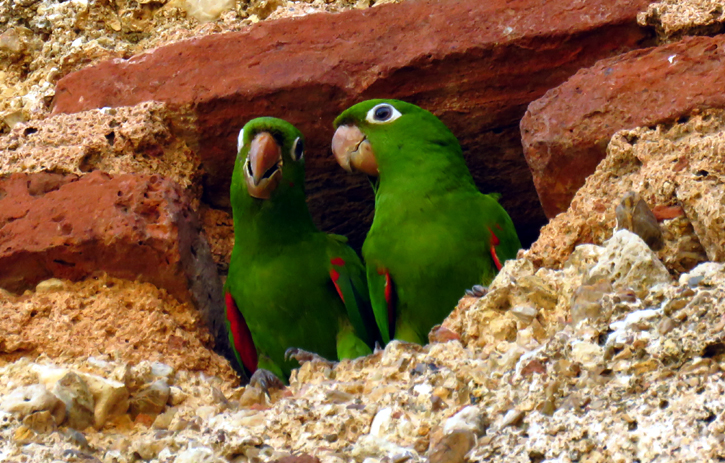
271	155
379	135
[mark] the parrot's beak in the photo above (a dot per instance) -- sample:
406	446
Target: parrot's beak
263	169
353	150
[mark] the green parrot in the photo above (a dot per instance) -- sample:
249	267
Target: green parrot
433	234
289	285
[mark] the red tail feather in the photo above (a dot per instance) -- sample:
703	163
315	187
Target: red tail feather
243	342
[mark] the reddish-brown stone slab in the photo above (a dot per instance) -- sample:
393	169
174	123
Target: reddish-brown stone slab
565	133
476	64
136	227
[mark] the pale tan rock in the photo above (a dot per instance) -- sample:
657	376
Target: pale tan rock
84	320
627	262
674	18
30	399
136	139
79	402
150	399
669	165
111	398
41	422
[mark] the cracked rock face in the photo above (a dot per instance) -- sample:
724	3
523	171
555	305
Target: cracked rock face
677	169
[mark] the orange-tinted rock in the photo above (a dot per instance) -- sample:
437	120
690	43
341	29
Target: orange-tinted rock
475	64
565	133
129	226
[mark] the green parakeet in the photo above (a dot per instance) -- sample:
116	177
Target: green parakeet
433	234
289	285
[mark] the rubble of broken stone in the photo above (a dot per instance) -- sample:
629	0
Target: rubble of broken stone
608	359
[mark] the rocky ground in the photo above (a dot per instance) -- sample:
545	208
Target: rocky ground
602	342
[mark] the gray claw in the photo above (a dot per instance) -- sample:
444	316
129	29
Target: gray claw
477	291
265	380
303	356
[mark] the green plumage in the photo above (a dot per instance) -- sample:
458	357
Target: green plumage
433	231
281	269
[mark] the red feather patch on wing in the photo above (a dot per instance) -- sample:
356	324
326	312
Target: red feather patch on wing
389	296
495	242
243	342
335	275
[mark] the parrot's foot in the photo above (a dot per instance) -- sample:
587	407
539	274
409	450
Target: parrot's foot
477	291
303	356
266	380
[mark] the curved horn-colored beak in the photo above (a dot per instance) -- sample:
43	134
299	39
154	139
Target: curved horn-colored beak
353	150
263	170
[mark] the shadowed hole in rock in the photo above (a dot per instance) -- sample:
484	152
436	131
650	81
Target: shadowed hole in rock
64	263
111	137
29	131
710	417
713	350
602	338
89	160
45	183
631	138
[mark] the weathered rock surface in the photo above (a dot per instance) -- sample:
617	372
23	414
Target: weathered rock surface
41	41
134	139
129	226
677	169
640	379
674	18
565	133
129	321
478	66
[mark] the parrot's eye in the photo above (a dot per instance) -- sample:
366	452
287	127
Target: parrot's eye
240	141
382	114
298	149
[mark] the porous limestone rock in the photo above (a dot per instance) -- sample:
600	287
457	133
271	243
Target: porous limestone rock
674	18
675	168
134	139
628	263
130	321
611	388
26	400
76	396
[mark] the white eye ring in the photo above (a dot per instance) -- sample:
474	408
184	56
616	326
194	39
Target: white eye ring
383	113
240	141
298	144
